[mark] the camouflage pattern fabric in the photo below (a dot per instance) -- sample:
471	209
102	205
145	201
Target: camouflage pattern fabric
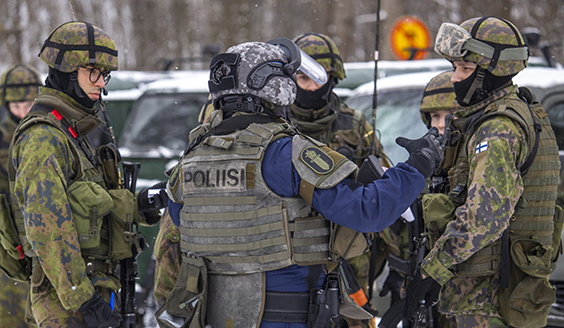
494	187
44	165
76	34
491	30
13	294
438	95
168	258
19	83
279	90
324	51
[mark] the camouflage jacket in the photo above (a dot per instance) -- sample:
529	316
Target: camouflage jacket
494	187
343	127
44	165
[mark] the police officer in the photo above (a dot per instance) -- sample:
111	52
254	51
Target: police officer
78	220
18	89
319	113
257	202
503	174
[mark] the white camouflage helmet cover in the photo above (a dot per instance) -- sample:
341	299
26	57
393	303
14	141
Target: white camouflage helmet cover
279	89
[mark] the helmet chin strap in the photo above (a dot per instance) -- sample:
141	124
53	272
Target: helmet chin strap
477	84
73	85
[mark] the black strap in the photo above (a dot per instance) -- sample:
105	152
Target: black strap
504	260
286	307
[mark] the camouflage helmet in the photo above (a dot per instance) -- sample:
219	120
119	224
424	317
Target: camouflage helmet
255	69
19	83
76	44
495	44
321	48
438	95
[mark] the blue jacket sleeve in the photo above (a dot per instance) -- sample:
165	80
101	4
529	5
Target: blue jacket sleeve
370	208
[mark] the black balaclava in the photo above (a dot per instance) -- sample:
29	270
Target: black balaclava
490	84
68	84
315	99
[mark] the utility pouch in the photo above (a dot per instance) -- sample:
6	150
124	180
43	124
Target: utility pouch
525	303
438	211
17	269
188	298
9	237
347	243
110	157
89	203
557	234
122	229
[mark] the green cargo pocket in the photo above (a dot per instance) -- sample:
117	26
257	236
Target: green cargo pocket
121	224
438	211
89	203
525	303
188	298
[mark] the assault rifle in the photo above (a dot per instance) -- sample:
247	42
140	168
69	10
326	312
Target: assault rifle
128	266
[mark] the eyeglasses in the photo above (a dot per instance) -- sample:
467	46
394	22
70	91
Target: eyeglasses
95	74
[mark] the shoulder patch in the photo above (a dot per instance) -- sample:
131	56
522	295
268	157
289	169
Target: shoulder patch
317	160
483	146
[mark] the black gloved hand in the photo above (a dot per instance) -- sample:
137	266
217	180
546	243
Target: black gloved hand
393	284
425	153
97	313
418	290
154	202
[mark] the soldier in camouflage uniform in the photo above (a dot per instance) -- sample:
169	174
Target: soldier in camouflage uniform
78	221
438	101
503	172
319	113
18	89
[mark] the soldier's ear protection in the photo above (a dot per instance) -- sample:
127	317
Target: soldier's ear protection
223	72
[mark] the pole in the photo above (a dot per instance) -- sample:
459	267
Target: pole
73	10
375	95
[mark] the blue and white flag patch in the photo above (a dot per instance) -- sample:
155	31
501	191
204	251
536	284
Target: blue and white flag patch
483	146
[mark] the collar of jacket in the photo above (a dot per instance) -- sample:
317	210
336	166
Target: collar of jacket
83	120
510	91
299	114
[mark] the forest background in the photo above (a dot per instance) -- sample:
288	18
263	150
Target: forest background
150	33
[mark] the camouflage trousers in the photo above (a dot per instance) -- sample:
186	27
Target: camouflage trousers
168	258
478	321
13	297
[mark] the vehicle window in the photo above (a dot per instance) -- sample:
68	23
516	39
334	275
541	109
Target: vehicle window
163	120
397	115
556	117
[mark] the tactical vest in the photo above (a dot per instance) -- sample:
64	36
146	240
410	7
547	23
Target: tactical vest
231	217
91	220
534	216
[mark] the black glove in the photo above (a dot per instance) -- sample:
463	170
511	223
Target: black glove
425	153
154	202
97	313
392	284
418	290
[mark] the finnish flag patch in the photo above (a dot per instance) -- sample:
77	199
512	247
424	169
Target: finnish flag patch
483	146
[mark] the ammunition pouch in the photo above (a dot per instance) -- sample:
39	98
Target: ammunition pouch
110	157
525	303
438	211
188	298
347	243
89	203
123	232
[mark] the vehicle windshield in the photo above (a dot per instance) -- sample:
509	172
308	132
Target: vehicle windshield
162	120
397	115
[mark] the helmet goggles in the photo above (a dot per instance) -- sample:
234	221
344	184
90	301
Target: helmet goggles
455	42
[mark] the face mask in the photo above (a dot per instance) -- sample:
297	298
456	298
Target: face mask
462	88
315	99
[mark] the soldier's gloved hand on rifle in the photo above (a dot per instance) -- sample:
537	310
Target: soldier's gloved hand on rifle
97	313
393	284
152	199
418	290
425	153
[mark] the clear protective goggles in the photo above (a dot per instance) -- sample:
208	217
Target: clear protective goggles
300	61
454	41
